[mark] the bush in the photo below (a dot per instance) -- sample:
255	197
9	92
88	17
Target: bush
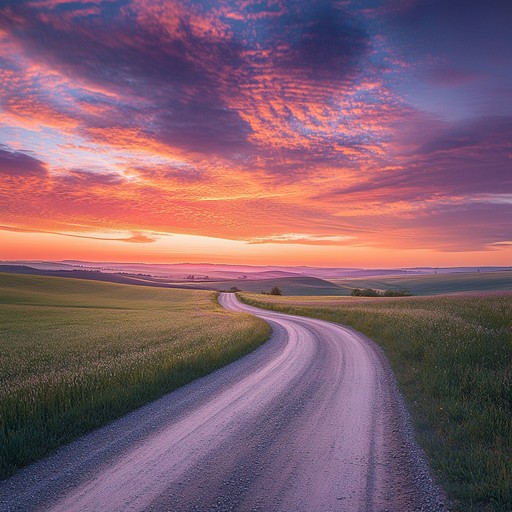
397	293
370	292
367	292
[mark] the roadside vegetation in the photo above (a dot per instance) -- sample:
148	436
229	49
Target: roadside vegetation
452	357
75	354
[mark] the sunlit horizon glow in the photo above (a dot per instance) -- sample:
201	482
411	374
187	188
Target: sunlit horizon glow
369	133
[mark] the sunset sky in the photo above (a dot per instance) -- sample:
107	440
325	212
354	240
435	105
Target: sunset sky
348	133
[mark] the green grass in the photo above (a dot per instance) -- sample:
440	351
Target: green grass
452	357
432	284
76	354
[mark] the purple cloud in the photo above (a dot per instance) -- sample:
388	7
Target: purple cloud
18	163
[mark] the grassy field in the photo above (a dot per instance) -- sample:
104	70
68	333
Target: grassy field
432	284
452	357
75	354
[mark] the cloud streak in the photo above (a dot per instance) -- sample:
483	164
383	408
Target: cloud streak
137	238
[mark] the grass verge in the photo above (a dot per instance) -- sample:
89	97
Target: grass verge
452	357
76	354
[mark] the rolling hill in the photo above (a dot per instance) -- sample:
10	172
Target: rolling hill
289	286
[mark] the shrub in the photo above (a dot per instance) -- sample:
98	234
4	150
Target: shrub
397	293
367	292
370	292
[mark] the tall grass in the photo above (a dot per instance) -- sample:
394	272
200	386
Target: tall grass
76	354
452	357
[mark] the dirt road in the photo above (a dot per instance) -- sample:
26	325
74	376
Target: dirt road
309	422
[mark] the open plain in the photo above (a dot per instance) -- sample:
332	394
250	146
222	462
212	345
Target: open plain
309	421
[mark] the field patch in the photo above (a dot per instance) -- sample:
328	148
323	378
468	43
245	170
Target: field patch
75	354
452	357
432	284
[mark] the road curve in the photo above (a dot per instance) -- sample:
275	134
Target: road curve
311	421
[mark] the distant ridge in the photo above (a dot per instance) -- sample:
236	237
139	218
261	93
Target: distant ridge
214	271
21	269
462	280
95	275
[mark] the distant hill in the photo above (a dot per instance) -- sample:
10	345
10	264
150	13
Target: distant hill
21	269
273	274
289	285
294	284
96	275
216	272
40	265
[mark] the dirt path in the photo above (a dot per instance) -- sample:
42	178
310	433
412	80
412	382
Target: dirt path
309	422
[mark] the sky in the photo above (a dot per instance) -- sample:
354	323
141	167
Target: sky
332	133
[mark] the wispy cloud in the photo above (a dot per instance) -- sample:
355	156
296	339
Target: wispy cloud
138	238
299	238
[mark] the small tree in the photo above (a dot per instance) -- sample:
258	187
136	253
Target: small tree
275	290
397	293
367	292
370	292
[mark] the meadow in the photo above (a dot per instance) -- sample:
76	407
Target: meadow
75	354
452	357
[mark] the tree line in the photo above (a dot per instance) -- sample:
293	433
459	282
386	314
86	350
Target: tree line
370	292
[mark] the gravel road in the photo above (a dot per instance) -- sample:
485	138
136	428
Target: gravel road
311	421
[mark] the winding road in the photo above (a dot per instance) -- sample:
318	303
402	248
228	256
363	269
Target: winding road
311	421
